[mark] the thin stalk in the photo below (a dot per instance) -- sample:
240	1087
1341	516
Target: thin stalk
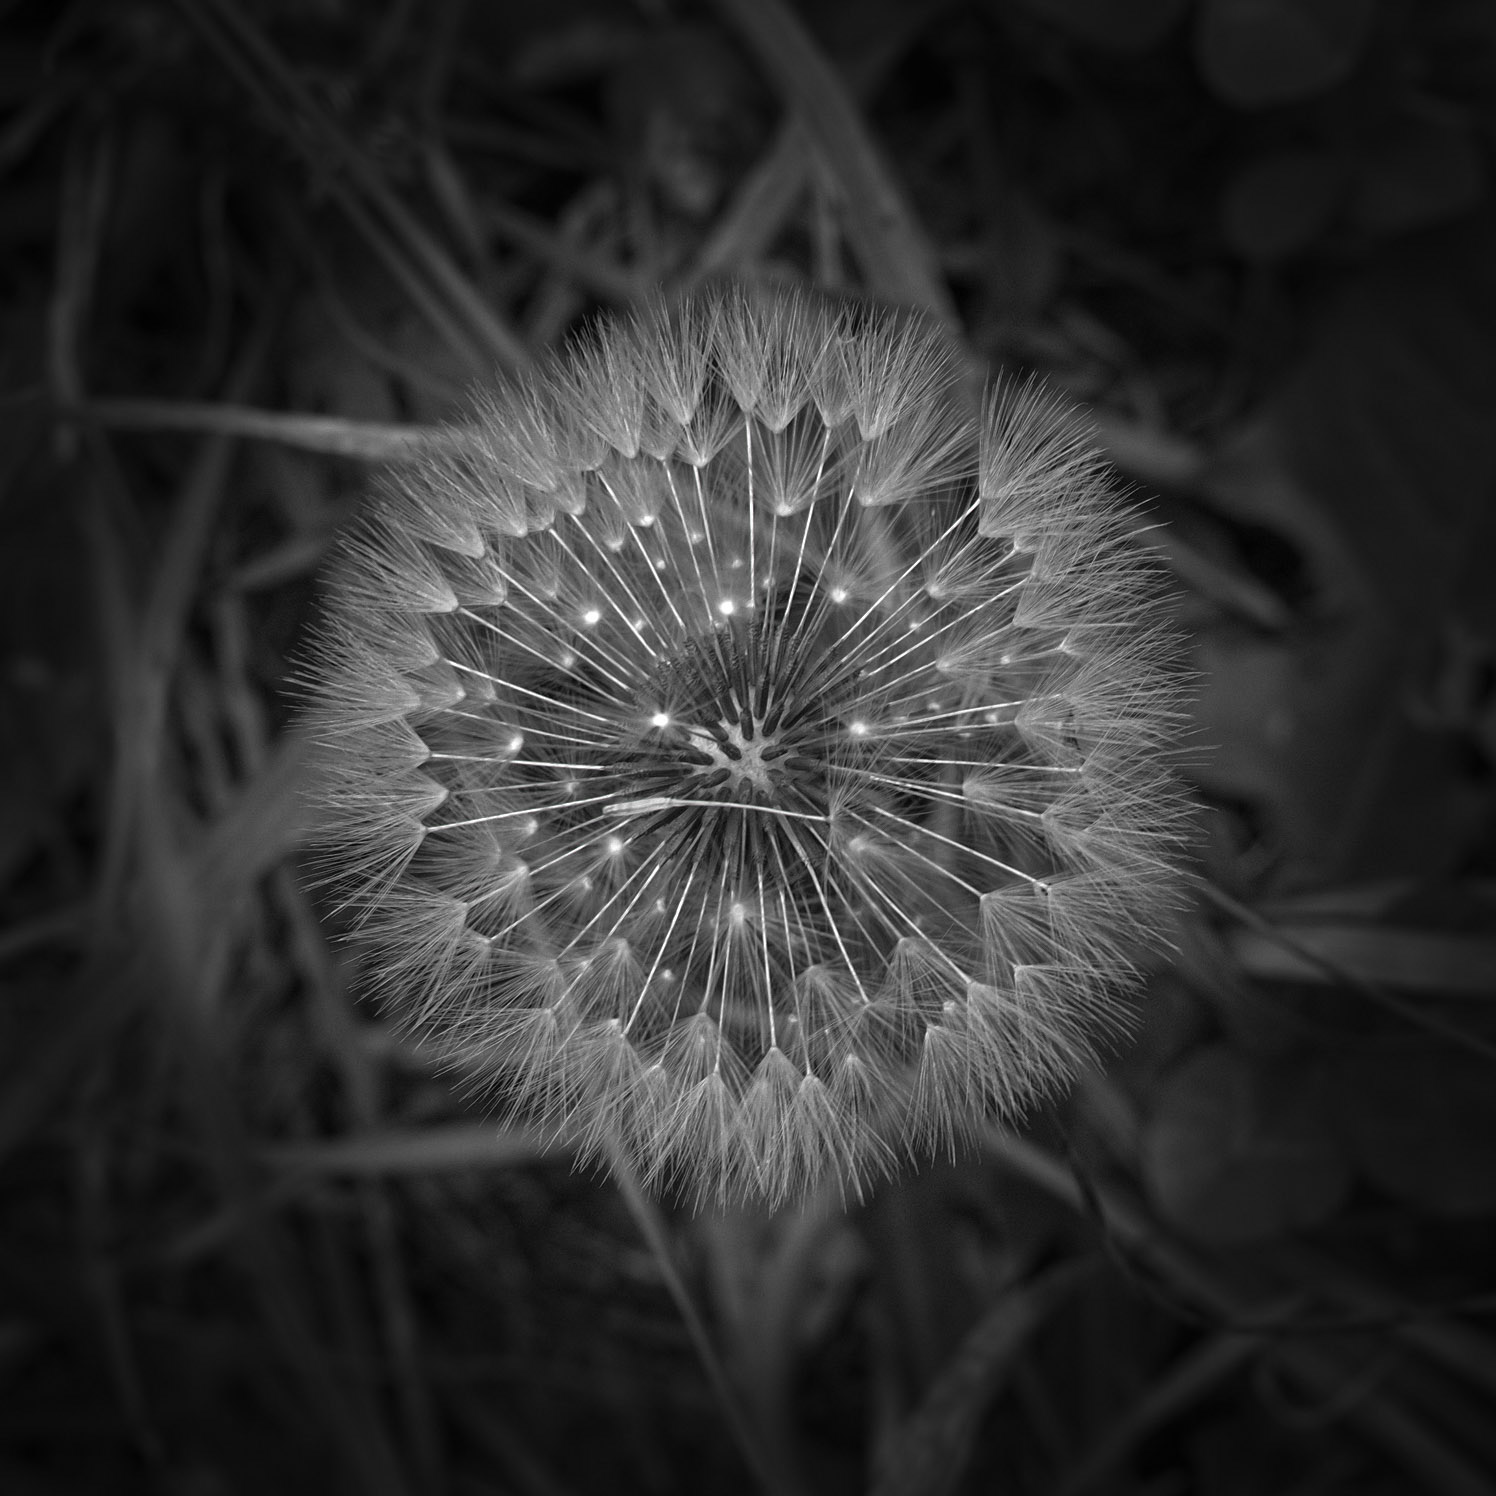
646	1216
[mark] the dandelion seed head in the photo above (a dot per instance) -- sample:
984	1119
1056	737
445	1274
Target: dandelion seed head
746	753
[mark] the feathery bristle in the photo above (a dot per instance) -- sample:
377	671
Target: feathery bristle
742	753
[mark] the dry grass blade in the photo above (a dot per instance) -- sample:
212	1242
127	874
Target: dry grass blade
413	372
62	927
1160	458
333	436
176	580
145	867
448	1148
1438	1468
391	1289
526	1473
930	1452
758	209
101	1276
1194	1377
87	180
249	54
96	1015
346	1412
897	256
1459	1348
1422	961
1379	1413
263	824
604	277
1233	591
450	325
1303	956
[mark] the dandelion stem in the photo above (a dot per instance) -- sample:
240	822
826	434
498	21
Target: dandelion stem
651	1227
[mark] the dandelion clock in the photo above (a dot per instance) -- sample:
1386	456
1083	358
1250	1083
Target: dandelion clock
745	750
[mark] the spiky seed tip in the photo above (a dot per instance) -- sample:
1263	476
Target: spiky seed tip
746	752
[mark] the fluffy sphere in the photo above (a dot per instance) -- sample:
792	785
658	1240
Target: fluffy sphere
745	749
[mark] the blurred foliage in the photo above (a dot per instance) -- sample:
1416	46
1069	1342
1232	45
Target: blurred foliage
251	1242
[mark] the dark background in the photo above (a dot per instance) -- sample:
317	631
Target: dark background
250	1241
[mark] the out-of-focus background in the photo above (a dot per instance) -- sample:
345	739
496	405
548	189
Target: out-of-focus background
252	1242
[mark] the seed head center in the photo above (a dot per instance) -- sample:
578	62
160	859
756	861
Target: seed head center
747	756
